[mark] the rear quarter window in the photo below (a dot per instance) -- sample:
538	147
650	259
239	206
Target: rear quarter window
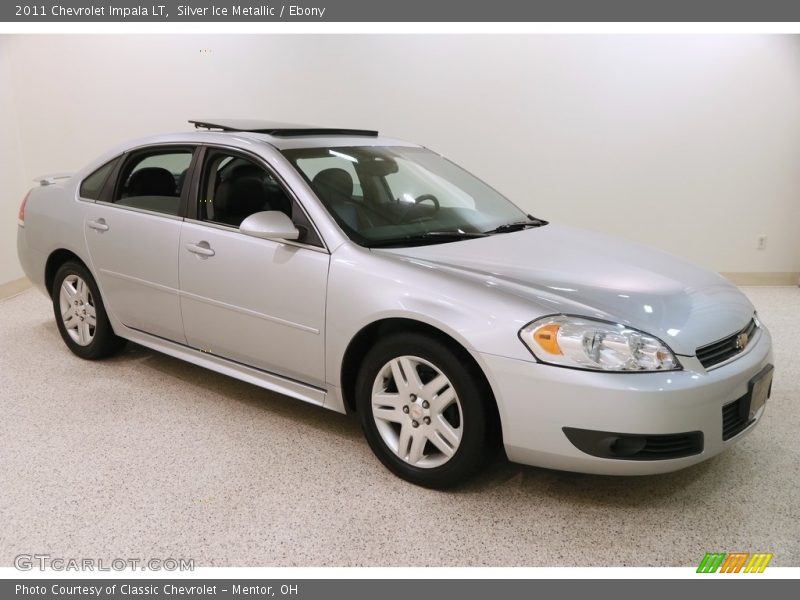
92	186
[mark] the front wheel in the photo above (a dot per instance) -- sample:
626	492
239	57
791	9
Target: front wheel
423	410
80	313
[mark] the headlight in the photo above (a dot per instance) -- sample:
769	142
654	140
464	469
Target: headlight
596	345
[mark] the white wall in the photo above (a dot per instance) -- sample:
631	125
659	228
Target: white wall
689	143
12	176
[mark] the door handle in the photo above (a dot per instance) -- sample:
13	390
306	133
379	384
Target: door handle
202	249
97	224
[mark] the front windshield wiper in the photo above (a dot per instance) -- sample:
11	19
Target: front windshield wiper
427	236
517	226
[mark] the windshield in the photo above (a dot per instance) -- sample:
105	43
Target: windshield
383	196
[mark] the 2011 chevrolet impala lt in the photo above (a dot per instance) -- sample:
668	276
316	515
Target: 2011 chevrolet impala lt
372	275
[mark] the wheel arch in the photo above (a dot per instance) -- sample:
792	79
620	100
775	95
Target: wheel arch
362	341
54	262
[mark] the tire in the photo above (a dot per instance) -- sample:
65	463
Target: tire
75	297
427	453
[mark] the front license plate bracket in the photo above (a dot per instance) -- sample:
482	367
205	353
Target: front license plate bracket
759	389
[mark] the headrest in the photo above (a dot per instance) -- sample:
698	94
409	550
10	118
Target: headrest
333	184
240	196
151	181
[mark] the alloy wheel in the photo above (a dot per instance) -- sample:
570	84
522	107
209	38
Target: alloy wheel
417	412
78	311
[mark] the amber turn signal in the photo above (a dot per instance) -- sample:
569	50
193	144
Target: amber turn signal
547	338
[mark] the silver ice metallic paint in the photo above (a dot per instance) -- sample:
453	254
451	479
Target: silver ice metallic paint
281	314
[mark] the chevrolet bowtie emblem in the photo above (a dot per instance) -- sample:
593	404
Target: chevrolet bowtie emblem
741	341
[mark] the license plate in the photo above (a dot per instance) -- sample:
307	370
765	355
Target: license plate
759	389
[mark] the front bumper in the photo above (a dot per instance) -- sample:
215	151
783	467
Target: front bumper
536	402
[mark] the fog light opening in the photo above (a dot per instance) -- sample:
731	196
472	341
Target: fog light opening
626	446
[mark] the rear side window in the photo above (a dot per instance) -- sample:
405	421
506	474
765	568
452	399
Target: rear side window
92	186
154	180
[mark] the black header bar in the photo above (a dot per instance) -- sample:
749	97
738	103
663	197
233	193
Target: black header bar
331	11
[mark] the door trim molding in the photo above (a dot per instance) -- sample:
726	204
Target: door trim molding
157	286
248	312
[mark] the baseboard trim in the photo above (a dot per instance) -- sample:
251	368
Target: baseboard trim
773	278
12	288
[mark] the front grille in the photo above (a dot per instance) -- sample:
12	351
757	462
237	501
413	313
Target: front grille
735	417
713	354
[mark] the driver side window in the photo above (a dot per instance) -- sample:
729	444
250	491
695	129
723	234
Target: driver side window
233	187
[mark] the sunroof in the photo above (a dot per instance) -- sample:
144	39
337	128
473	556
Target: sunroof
278	129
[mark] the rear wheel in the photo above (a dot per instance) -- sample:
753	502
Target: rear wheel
423	410
80	314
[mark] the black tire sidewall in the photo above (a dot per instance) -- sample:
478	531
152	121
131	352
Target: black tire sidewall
472	452
105	342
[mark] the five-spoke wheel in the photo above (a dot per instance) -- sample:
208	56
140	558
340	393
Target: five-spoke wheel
80	314
417	411
424	408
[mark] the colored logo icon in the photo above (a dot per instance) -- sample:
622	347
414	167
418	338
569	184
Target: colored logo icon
735	562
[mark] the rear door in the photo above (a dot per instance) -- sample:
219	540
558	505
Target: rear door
133	232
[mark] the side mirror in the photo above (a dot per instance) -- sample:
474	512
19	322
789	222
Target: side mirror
270	225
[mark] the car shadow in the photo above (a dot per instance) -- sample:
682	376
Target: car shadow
239	391
230	388
713	477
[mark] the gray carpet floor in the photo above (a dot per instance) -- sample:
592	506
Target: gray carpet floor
149	457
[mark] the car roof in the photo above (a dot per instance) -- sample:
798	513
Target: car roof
286	136
249	140
278	129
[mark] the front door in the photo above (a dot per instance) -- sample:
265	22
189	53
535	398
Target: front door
254	301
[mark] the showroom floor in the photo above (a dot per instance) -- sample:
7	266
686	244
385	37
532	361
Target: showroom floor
146	456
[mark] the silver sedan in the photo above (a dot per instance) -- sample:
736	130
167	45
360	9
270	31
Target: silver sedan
371	275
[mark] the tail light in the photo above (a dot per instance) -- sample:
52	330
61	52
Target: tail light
21	215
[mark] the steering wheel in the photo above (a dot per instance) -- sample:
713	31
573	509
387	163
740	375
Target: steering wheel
425	198
366	210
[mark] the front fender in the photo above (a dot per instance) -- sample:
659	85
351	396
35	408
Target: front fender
366	287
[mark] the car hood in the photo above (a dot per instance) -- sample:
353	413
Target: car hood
573	271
